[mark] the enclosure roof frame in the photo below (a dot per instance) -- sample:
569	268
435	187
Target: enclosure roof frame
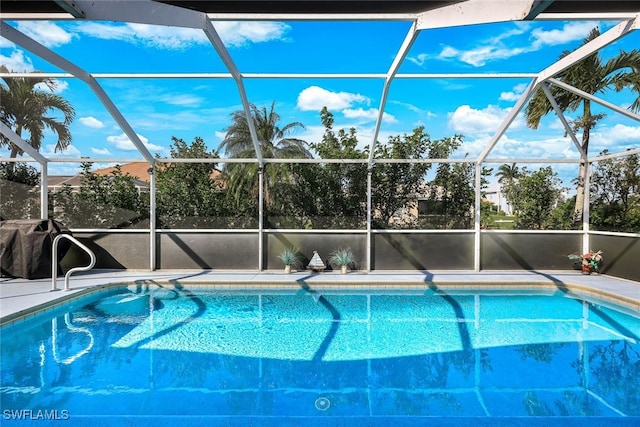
423	15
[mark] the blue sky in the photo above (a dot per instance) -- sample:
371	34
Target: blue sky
158	109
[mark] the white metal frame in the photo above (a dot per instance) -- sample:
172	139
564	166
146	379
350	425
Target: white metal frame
460	13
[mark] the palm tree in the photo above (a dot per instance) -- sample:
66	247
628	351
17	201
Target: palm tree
507	173
593	76
23	107
274	143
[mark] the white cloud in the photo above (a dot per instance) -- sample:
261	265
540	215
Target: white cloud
46	33
314	98
503	46
311	133
148	35
472	147
513	147
91	122
368	115
520	27
16	62
615	139
483	54
122	142
509	96
448	52
166	37
470	121
622	133
232	33
181	100
61	86
70	151
60	168
419	59
6	44
426	113
180	122
477	56
235	33
100	151
514	95
568	33
548	148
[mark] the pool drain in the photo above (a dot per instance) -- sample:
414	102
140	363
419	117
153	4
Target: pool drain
322	404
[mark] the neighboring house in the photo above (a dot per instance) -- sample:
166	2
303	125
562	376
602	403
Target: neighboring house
138	170
57	182
425	206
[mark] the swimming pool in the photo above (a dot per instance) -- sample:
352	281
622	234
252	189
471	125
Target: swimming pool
148	355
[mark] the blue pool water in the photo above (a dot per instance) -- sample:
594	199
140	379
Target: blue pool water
171	356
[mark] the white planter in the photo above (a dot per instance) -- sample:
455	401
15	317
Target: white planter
343	269
287	269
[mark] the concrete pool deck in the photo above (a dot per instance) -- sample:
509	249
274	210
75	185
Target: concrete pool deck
21	297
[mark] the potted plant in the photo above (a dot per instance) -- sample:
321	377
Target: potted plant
290	257
342	257
589	262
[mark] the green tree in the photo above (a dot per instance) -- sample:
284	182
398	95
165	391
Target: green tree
340	189
26	108
540	193
562	216
189	195
396	186
450	197
486	213
455	194
275	142
593	76
19	191
337	191
452	194
615	194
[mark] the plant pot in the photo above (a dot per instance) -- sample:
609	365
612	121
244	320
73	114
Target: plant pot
287	269
343	269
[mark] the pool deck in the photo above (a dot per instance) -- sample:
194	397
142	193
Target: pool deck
21	297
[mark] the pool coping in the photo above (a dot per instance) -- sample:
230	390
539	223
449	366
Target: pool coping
22	298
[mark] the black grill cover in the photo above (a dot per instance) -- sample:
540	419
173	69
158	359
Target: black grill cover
26	247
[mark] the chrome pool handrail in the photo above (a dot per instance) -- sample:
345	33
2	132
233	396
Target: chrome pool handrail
54	261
